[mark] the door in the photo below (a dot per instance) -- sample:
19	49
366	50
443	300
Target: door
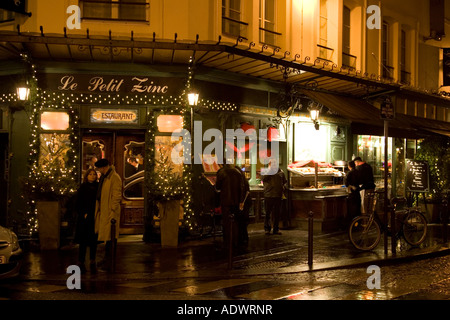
126	151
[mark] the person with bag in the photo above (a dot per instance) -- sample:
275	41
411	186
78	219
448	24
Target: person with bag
85	228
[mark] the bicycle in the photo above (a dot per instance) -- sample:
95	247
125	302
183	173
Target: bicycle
365	230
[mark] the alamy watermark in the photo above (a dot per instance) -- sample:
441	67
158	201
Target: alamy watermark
373	21
374	280
74	280
235	140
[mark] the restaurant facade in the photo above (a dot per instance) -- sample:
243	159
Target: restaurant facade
96	96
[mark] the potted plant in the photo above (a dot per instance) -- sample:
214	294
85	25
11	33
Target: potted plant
166	190
48	184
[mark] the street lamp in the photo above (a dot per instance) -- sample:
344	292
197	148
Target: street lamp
193	98
314	113
23	92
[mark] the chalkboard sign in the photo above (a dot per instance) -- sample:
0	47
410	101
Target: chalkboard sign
417	176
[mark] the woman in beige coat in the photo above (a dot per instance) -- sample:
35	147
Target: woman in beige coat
108	203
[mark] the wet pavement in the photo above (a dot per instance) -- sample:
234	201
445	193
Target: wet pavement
271	267
264	255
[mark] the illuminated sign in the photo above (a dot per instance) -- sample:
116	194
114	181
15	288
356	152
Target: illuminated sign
114	116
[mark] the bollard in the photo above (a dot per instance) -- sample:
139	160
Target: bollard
230	244
113	245
444	220
393	230
310	237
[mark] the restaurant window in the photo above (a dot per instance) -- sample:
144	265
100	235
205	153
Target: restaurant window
311	144
371	150
54	120
133	171
127	10
231	18
267	33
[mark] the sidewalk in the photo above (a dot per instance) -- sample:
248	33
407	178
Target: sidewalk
265	254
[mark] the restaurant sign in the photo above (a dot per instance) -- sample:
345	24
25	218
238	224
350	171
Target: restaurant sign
115	116
140	85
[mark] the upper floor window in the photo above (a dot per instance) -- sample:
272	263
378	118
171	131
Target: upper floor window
324	51
6	16
348	60
267	33
405	76
231	18
388	70
128	10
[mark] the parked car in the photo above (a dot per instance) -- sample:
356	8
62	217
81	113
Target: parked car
10	254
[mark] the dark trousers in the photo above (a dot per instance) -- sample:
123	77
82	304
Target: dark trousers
273	212
83	249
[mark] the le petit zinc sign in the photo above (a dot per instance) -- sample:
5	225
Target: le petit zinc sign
114	84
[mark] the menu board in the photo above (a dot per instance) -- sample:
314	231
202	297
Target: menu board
417	176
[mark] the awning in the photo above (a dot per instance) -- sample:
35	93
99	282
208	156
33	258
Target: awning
365	118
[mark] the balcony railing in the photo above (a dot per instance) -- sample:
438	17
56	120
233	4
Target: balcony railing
268	37
325	53
405	77
349	61
388	72
235	28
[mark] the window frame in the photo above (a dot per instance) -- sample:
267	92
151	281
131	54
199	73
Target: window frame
263	31
228	21
115	11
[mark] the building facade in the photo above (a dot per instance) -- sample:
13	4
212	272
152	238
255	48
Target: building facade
108	77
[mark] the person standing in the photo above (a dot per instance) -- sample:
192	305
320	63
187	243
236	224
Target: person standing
274	185
365	181
231	186
354	197
109	196
85	231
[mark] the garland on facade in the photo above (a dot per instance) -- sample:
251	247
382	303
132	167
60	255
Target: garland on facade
163	184
53	159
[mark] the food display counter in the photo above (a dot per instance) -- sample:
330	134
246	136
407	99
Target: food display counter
313	187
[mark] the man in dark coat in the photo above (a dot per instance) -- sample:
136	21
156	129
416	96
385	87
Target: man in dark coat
274	185
230	183
365	181
354	197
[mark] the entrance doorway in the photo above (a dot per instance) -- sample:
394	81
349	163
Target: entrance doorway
126	151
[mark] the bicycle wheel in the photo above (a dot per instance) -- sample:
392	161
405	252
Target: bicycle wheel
364	233
415	228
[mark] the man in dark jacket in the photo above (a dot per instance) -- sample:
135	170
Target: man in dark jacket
230	183
365	181
274	185
354	197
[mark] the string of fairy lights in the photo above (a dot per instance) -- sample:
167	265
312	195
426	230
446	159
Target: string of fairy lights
46	177
51	99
